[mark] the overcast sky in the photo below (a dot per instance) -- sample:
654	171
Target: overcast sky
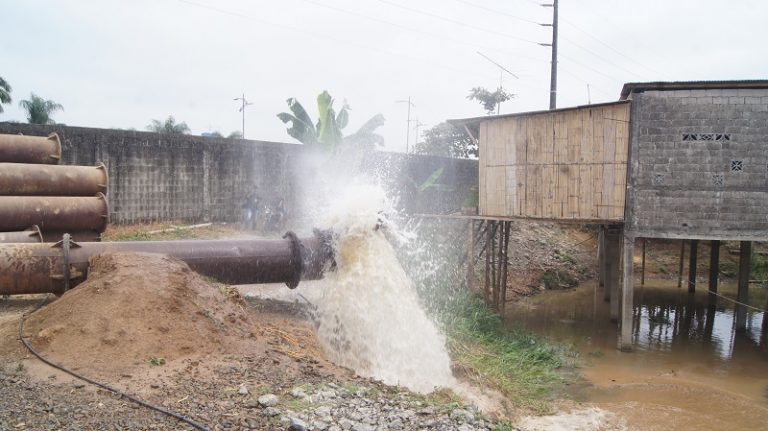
115	63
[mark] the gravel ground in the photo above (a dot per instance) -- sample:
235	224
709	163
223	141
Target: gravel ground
242	394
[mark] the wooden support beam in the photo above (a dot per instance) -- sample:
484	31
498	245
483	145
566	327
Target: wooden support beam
613	241
471	255
642	267
505	265
601	273
486	249
627	295
682	266
692	266
745	258
714	266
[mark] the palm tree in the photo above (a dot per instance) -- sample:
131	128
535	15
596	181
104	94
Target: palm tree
327	132
39	110
5	93
168	126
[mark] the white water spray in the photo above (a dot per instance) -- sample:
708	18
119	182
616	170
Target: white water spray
369	314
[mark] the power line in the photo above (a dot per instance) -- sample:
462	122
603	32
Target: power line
570	23
416	30
457	22
617	65
348	42
498	12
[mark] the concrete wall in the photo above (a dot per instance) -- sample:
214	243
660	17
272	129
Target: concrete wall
166	177
686	149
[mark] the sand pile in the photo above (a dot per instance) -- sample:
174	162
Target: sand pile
136	307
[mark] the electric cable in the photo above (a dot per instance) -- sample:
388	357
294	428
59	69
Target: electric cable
108	388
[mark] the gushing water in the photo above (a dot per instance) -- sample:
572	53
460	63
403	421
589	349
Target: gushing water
369	315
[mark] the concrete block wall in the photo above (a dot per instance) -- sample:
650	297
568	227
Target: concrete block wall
699	164
154	177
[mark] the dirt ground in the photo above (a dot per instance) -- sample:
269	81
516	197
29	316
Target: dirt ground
150	326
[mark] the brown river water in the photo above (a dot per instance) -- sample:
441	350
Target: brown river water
690	370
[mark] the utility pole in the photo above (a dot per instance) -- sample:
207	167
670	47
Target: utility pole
245	103
553	74
408	122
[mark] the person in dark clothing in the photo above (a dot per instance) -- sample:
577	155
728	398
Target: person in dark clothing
251	210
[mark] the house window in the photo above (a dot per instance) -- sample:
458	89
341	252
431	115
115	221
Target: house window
718	180
737	165
658	180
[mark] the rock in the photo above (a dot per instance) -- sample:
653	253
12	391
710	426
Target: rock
268	400
243	390
271	411
298	393
462	415
297	424
363	427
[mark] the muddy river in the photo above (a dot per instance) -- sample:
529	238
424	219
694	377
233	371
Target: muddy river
691	370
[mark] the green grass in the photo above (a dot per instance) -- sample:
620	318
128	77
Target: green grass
526	369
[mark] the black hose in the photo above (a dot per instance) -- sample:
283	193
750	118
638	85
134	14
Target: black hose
115	391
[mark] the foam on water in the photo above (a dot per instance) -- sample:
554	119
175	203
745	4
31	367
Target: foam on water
369	314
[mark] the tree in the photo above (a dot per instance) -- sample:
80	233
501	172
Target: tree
168	126
5	93
235	135
327	132
447	141
491	101
39	110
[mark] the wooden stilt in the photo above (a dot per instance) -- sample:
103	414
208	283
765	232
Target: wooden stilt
680	270
642	266
627	294
487	249
471	256
494	285
714	266
745	258
505	266
692	266
602	274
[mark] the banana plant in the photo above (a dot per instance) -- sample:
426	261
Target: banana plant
327	132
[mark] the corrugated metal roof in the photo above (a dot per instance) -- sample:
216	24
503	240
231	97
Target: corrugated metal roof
635	87
472	120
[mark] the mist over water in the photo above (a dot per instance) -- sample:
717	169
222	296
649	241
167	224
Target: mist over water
369	317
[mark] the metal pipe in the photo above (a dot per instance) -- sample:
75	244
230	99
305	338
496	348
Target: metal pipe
43	268
23	179
30	149
31	235
54	213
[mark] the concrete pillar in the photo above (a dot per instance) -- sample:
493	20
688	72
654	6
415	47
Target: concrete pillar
714	265
692	266
745	257
627	293
613	243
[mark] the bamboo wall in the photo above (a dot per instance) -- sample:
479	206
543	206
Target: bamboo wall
566	164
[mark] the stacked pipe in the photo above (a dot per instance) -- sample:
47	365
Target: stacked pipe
41	200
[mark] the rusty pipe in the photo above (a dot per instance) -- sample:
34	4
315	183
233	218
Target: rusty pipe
30	149
22	179
53	213
53	268
32	235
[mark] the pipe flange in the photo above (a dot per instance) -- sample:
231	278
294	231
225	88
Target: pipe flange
298	262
